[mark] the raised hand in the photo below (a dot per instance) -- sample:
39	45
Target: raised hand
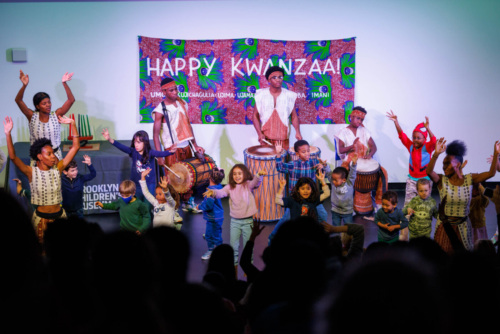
105	133
392	116
278	146
173	148
163	183
497	147
144	173
282	182
8	125
209	193
65	120
25	79
67	77
86	160
320	175
426	124
440	145
354	158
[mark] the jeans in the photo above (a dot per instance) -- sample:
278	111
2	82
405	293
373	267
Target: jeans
338	217
239	228
213	233
322	217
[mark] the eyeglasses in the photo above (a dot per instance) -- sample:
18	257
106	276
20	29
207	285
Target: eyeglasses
277	78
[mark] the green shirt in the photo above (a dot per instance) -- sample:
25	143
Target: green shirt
421	221
134	216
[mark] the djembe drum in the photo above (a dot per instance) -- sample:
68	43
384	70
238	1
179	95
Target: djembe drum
190	173
368	177
264	158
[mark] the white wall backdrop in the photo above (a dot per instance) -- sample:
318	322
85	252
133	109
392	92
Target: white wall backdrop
419	58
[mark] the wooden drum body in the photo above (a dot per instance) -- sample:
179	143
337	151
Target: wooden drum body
264	158
192	173
367	179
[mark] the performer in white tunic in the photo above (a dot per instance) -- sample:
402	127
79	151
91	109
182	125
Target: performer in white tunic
355	138
42	122
273	107
172	127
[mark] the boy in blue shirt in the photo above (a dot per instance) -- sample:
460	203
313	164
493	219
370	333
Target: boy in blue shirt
213	213
72	187
390	220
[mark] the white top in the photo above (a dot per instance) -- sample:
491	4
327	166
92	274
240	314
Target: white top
284	105
45	186
50	130
348	137
175	115
163	212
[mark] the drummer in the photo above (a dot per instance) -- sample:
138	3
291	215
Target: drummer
273	107
171	126
355	138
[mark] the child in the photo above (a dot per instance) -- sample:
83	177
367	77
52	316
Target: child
72	187
143	157
241	203
343	193
477	217
163	203
213	213
134	214
420	156
390	219
304	166
305	196
421	209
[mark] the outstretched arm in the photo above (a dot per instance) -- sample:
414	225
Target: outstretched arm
440	148
19	97
477	178
70	100
426	124
76	143
392	116
296	122
25	169
257	126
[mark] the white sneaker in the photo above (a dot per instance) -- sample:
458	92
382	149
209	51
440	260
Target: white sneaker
194	209
177	217
207	255
186	207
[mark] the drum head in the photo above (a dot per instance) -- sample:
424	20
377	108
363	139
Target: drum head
262	151
367	165
184	182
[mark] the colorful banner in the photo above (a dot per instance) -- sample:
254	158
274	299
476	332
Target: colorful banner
218	78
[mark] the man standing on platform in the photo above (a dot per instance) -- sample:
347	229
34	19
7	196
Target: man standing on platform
273	107
172	127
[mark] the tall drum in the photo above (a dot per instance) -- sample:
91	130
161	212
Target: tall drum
264	158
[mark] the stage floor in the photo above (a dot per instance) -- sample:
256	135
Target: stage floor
194	228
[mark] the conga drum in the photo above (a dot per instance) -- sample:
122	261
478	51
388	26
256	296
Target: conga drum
190	173
315	153
264	158
367	178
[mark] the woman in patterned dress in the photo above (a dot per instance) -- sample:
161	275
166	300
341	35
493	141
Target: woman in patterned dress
457	188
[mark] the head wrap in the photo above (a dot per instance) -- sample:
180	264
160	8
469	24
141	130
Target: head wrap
419	128
273	69
167	82
358	113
